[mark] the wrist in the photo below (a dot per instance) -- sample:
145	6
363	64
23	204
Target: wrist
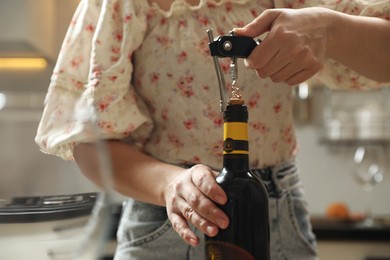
335	33
169	173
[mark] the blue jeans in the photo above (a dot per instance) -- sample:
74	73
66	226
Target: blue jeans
145	232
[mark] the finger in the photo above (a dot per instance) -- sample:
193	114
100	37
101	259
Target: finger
204	180
181	227
208	210
310	68
260	25
301	76
261	55
299	57
202	206
192	216
287	63
200	196
284	73
197	220
275	66
215	174
287	70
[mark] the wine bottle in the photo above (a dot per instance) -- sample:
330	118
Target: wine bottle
247	236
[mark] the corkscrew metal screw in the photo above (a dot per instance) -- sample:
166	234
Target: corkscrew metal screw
234	47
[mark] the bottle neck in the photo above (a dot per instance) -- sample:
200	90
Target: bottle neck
235	136
236	162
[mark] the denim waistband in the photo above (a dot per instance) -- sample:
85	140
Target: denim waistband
277	179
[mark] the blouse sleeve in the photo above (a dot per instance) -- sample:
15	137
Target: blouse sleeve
334	74
90	96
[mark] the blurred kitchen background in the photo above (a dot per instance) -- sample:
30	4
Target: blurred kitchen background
336	129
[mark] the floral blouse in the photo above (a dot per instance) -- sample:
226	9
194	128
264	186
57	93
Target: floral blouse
145	75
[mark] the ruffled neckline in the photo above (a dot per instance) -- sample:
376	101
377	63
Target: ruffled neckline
178	5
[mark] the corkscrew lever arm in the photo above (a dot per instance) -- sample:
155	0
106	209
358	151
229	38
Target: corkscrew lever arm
220	77
229	46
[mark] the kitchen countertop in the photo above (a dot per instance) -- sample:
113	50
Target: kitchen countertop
326	229
23	236
348	230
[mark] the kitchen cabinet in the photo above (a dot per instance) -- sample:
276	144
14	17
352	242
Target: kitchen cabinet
353	250
349	240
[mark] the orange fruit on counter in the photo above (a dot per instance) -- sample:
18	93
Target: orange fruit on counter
337	210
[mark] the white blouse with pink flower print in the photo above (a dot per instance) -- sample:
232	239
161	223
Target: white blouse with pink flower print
148	76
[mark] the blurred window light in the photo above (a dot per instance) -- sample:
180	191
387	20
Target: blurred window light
303	90
3	100
22	63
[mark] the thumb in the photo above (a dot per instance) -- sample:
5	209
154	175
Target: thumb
260	25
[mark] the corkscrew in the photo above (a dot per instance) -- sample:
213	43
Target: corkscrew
234	47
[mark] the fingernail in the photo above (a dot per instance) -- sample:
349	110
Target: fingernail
210	230
221	222
220	199
193	242
246	63
237	29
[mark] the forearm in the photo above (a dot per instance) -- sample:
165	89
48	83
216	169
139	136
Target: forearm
189	195
362	44
134	174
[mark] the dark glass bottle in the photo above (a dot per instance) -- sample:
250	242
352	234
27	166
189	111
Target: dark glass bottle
247	236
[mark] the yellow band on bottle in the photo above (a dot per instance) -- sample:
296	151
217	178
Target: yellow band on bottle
235	131
235	138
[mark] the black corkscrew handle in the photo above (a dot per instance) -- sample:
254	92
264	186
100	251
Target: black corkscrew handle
232	46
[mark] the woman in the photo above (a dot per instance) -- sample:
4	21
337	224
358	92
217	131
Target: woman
145	69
